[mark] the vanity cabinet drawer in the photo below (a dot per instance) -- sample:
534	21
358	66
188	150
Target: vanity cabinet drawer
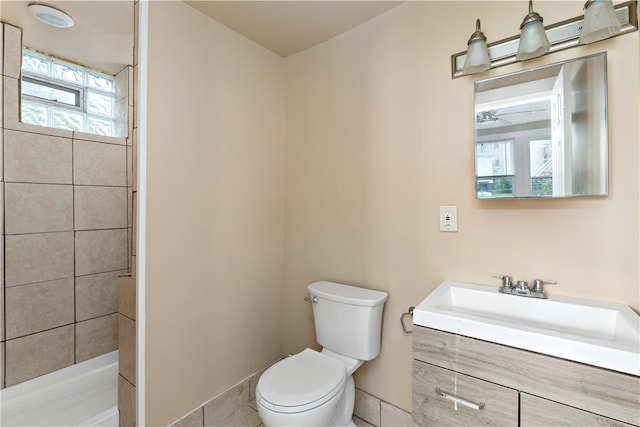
538	412
612	394
496	405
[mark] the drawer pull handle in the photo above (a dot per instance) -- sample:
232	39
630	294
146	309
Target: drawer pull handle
456	399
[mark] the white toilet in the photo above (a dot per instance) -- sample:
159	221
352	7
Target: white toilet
316	388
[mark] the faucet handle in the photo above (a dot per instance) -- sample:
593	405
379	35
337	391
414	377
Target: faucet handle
538	284
506	280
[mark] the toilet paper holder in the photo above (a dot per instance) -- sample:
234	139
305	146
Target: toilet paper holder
403	316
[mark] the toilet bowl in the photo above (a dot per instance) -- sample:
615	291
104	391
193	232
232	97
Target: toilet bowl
316	388
302	390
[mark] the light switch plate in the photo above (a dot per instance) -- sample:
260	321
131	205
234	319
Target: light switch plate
448	218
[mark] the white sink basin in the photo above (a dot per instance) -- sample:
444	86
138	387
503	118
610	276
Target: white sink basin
596	333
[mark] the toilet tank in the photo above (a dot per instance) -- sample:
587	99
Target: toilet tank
348	319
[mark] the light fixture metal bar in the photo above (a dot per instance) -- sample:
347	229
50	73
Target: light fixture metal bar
562	35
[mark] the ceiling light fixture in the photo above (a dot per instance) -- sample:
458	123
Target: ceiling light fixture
477	59
600	21
533	39
51	16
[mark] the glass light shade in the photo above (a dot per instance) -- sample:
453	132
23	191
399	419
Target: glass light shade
533	41
477	59
600	21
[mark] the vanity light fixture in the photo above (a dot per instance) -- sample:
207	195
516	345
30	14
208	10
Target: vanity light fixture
600	21
50	16
533	39
561	35
477	59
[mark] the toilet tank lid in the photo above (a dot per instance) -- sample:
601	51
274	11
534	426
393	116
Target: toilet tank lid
347	294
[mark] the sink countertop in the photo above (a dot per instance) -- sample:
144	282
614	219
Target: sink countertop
597	333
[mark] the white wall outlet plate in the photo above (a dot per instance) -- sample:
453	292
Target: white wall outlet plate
448	218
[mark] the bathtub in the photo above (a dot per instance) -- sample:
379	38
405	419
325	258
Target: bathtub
85	394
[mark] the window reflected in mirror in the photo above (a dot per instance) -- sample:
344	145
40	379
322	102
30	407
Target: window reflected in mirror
494	169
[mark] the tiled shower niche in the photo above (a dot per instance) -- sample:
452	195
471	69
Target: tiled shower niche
65	202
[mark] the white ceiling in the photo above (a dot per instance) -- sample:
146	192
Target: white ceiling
288	27
102	37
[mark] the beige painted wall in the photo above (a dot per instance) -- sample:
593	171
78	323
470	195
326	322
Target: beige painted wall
379	135
215	226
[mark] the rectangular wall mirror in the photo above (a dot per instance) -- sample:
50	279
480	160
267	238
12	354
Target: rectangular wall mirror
543	132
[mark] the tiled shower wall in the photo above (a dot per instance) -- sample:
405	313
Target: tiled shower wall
66	197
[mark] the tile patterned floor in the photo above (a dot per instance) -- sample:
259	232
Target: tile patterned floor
247	416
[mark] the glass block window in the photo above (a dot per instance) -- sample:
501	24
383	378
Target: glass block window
62	95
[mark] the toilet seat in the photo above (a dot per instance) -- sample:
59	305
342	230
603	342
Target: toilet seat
301	382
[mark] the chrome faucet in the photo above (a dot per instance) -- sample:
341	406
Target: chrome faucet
506	287
522	288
